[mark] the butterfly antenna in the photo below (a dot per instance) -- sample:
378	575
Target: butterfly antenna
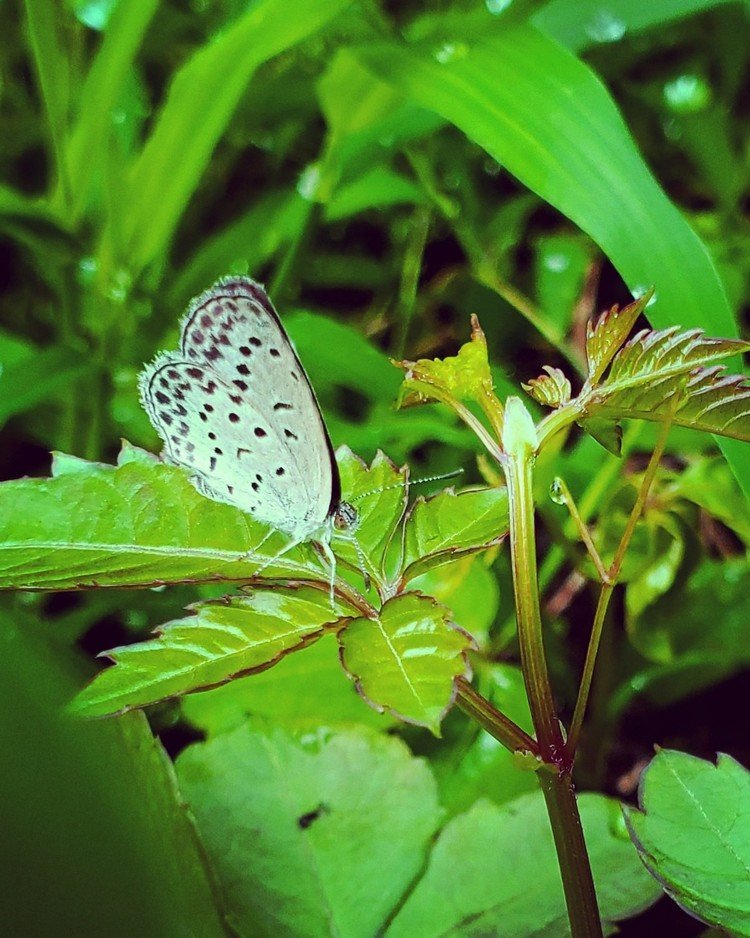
398	485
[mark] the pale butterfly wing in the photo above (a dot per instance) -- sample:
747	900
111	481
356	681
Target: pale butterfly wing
235	407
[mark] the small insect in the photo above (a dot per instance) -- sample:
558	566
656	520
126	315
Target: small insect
236	408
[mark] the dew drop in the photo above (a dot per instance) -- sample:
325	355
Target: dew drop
556	491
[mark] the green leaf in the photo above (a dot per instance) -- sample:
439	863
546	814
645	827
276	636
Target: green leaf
469	589
379	187
245	244
697	632
606	335
693	835
493	871
406	661
709	484
366	117
316	836
139	524
222	640
451	525
378	493
580	24
201	101
305	690
655	367
65	782
462	377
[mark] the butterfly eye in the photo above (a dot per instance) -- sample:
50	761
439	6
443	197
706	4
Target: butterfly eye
346	517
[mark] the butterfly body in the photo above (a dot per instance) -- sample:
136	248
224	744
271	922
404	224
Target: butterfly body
235	407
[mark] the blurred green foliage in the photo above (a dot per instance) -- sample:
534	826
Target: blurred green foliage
386	170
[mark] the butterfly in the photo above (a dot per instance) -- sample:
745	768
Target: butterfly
235	407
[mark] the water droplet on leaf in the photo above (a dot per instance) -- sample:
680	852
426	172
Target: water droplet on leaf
556	491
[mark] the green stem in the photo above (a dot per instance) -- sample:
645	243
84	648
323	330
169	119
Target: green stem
555	780
575	870
497	724
518	472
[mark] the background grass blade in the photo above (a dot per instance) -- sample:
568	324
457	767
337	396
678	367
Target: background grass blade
200	104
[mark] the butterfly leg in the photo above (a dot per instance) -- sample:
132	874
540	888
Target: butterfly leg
249	553
331	559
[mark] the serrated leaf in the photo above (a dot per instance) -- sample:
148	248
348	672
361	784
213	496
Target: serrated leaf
138	524
450	525
693	835
378	493
304	691
653	367
605	336
406	661
493	871
463	377
315	835
219	642
551	390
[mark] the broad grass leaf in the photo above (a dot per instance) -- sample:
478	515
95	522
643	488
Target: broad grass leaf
220	641
320	834
37	378
49	42
450	525
137	524
367	118
407	660
693	835
655	367
495	867
581	24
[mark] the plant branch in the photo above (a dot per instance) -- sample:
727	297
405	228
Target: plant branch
609	584
580	525
497	724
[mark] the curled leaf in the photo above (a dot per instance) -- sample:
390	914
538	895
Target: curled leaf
551	390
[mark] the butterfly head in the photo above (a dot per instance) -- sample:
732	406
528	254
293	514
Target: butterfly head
346	517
